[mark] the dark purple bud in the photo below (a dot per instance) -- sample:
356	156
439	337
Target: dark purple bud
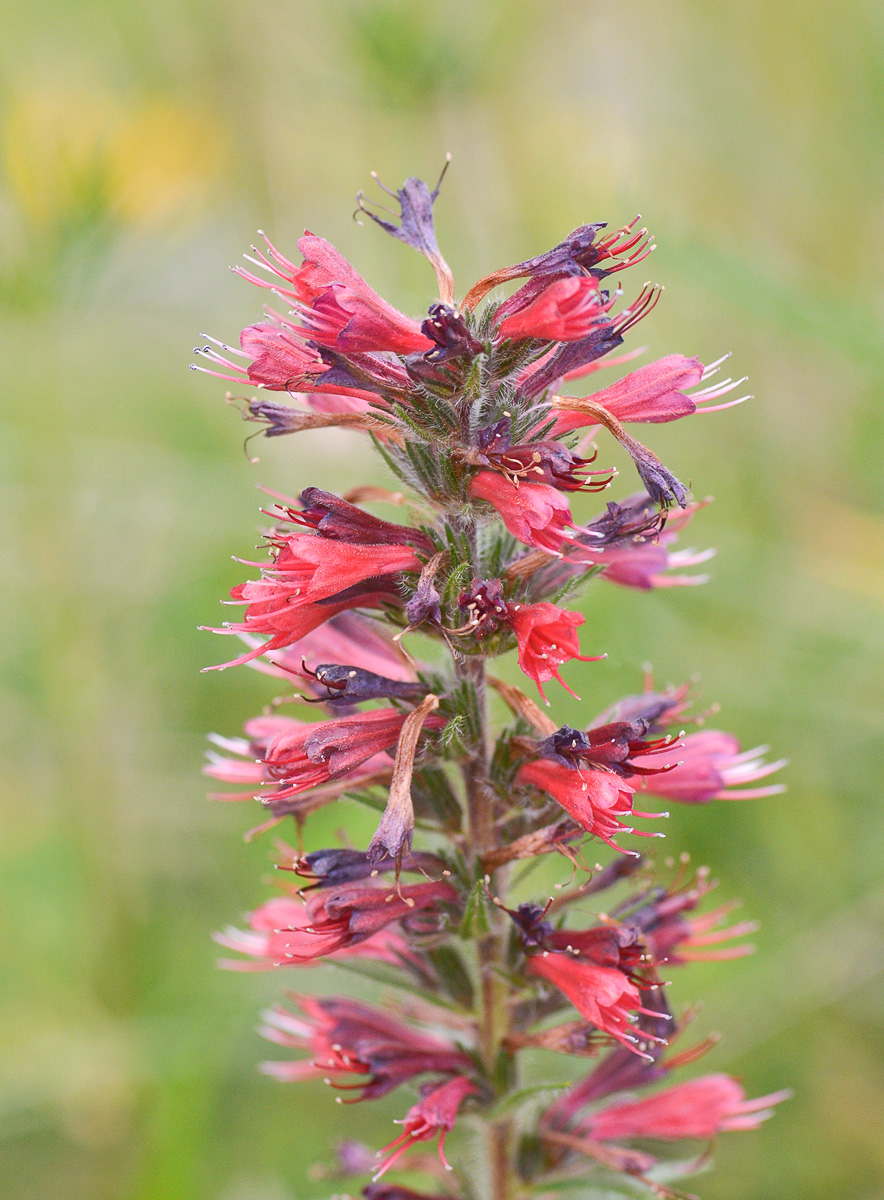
328	868
496	438
447	328
339	520
565	746
350	685
435	376
531	923
610	747
573	256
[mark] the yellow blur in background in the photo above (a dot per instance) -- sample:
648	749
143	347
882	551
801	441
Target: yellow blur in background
142	144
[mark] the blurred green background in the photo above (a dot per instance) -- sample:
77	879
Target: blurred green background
143	143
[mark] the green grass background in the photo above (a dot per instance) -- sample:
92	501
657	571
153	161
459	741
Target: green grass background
144	141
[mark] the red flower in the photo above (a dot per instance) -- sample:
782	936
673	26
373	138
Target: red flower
329	922
343	318
546	638
674	938
338	306
562	312
308	568
535	513
287	624
603	995
351	560
305	757
434	1114
653	394
345	1036
709	766
279	360
616	946
594	799
274	924
252	770
699	1109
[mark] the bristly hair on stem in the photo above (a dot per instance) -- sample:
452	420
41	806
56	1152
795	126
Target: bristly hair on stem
472	781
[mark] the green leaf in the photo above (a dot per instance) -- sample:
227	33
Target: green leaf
475	916
453	975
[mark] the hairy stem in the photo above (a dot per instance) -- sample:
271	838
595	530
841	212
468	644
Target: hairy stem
492	1018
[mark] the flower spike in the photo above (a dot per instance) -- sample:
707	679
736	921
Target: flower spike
465	775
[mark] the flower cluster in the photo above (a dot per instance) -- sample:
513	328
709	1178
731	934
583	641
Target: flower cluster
472	410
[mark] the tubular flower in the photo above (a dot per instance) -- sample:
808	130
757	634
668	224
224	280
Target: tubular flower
434	1115
252	769
674	938
350	1038
709	765
596	800
535	513
328	868
603	995
284	624
332	921
700	1109
613	747
567	309
276	359
546	637
578	255
306	757
657	709
653	394
345	558
333	300
307	569
283	922
622	1070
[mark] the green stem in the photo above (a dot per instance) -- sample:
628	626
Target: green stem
492	1017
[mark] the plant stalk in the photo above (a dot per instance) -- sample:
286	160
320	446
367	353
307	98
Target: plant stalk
492	1017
